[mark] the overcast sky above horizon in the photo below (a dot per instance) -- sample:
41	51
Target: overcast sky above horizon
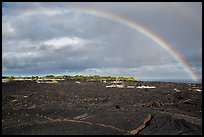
42	39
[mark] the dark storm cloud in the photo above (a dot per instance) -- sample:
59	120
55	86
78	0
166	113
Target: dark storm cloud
76	43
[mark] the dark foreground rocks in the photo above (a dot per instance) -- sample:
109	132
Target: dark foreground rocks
91	108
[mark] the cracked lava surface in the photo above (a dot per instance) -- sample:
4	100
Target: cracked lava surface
91	108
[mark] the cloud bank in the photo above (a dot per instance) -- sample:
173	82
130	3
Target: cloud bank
48	38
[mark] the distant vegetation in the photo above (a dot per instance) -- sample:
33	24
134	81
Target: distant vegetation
35	78
78	77
91	77
10	78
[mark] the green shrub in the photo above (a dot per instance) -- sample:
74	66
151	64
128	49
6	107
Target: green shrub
10	78
35	78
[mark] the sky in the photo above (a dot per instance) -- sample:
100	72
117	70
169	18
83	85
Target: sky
96	38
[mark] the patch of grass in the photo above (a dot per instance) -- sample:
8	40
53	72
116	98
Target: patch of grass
10	78
35	78
53	82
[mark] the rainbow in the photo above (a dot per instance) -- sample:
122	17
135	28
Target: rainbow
136	26
130	24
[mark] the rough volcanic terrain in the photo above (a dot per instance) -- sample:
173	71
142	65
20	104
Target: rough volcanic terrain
94	108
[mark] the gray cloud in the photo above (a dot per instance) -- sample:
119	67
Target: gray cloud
36	43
